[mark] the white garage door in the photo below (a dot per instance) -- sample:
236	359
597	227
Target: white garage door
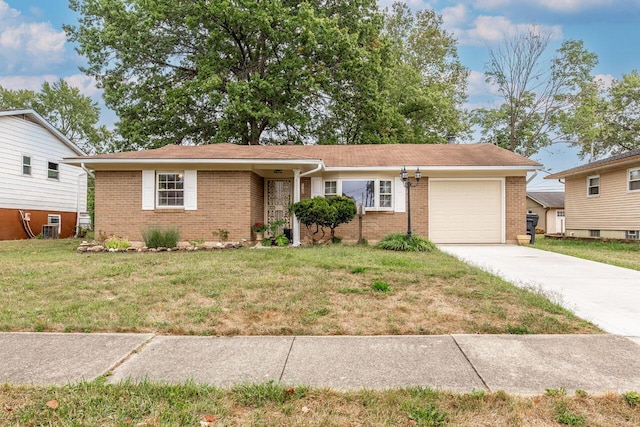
463	211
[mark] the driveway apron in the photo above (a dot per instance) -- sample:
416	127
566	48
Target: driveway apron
603	294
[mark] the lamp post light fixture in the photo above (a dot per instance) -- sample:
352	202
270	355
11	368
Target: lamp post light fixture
408	184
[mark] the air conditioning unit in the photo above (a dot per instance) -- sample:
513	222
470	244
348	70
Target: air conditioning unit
49	231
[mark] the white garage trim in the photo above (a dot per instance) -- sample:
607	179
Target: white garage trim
502	208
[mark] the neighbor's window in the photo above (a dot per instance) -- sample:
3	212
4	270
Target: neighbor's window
54	220
52	170
594	233
593	185
632	234
26	165
634	179
170	189
330	188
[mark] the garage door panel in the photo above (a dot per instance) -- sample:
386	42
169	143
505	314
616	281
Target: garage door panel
466	211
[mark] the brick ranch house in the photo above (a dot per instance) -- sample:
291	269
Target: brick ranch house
468	193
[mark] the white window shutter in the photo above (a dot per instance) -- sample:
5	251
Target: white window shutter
399	197
190	190
148	190
316	187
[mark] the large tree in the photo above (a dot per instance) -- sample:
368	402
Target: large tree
605	119
534	91
426	81
244	71
68	110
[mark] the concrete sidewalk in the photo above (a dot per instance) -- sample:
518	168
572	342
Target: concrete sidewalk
517	364
603	294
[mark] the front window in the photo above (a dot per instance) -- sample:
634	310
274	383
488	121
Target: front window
593	185
385	194
26	165
634	179
361	192
170	189
52	170
330	188
372	194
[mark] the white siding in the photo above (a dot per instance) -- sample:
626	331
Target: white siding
614	208
19	137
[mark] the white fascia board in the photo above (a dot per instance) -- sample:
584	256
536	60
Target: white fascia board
430	168
41	121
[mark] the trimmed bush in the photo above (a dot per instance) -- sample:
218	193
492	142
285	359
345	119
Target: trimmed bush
400	242
155	237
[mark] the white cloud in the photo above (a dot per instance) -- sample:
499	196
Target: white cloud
606	80
570	5
86	84
455	16
28	45
26	82
491	29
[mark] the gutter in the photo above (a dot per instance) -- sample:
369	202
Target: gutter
312	171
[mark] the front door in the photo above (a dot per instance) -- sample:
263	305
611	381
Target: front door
559	221
279	196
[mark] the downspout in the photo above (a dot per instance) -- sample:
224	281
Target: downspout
296	197
89	173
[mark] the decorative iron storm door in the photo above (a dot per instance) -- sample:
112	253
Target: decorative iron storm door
279	197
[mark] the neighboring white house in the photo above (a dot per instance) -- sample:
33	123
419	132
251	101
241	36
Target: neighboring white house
549	205
36	188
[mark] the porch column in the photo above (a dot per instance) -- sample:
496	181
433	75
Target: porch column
296	198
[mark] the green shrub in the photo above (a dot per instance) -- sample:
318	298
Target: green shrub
381	287
319	213
632	398
155	237
281	240
115	242
400	242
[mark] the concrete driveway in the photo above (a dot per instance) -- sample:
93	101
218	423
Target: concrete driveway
606	295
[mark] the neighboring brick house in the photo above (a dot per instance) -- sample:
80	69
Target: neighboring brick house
468	193
602	198
38	193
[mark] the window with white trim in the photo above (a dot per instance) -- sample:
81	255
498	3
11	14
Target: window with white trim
593	185
53	170
634	179
170	189
54	219
632	234
26	165
330	188
373	194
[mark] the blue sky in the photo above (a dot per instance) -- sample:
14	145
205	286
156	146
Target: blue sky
33	47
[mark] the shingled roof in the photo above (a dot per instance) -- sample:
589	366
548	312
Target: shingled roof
332	156
548	199
613	161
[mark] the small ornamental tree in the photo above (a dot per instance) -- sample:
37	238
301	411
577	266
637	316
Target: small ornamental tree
319	213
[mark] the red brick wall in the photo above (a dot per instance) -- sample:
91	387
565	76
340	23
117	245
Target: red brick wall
226	200
516	207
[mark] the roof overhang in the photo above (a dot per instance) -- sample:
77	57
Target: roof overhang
591	169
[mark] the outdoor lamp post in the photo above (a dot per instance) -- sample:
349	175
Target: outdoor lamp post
408	184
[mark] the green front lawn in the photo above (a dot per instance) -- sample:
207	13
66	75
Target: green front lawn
622	254
98	404
327	290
